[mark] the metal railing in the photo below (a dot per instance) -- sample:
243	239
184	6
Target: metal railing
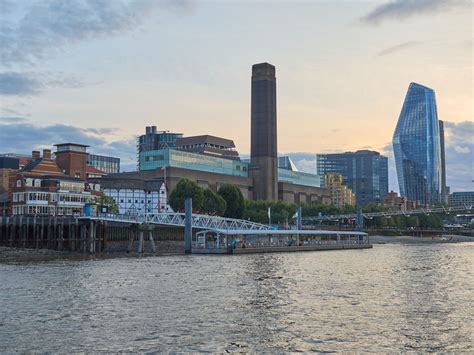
177	219
407	213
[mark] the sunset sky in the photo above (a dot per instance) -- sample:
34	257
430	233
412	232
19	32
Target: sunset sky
99	71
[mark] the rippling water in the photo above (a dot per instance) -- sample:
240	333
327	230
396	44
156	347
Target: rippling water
390	298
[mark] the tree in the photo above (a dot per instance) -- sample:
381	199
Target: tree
108	201
234	199
183	190
213	203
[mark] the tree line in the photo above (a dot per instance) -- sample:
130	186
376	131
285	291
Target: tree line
229	202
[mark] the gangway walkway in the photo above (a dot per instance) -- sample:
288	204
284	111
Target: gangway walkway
407	213
177	219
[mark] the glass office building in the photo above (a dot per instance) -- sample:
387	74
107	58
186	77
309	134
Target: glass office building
365	172
108	165
416	145
156	159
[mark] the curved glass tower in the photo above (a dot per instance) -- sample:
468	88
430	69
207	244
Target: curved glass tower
416	145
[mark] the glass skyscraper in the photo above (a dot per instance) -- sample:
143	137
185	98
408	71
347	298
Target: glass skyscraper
416	144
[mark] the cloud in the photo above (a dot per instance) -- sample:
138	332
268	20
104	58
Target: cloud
29	84
397	48
459	140
47	26
18	84
12	119
23	138
462	150
459	133
402	9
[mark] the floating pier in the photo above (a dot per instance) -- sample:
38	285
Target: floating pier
271	241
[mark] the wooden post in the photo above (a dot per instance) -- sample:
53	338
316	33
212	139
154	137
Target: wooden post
35	235
91	237
131	235
60	233
83	237
152	242
140	242
22	232
12	230
42	232
76	230
48	233
55	231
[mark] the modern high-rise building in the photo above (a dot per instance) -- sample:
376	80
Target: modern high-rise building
417	147
444	193
263	139
365	172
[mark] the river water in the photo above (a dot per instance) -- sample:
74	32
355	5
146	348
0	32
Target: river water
391	298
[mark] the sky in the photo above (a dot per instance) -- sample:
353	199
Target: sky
98	71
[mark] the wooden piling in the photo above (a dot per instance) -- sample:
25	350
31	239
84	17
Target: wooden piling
152	242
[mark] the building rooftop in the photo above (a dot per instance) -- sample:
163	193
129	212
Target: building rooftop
74	144
206	139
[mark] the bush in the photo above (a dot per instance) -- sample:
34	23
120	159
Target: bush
183	190
234	200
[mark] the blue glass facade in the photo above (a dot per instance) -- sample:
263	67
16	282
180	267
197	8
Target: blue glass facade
363	171
416	145
298	178
156	159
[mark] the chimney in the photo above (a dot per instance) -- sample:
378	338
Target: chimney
147	130
35	154
153	129
46	154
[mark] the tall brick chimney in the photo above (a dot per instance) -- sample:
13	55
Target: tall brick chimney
46	154
35	154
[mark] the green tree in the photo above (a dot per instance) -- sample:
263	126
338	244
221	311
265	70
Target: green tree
108	201
234	199
183	190
213	203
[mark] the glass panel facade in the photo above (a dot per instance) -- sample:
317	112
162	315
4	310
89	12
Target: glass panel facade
298	178
108	165
364	172
416	145
155	159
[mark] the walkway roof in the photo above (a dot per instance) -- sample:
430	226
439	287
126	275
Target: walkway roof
281	232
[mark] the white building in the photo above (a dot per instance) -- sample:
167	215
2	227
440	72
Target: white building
138	201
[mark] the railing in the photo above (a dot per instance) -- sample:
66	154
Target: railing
177	219
371	215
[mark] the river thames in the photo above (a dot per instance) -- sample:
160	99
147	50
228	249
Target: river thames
393	297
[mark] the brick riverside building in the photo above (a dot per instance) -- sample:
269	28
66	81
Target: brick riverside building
42	188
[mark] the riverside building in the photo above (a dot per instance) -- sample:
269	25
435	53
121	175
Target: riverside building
42	188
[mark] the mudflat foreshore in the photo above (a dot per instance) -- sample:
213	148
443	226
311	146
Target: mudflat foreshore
24	254
405	239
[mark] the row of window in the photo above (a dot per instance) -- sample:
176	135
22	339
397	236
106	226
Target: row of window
45	210
50	197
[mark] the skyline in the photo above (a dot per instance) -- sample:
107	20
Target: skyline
64	83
